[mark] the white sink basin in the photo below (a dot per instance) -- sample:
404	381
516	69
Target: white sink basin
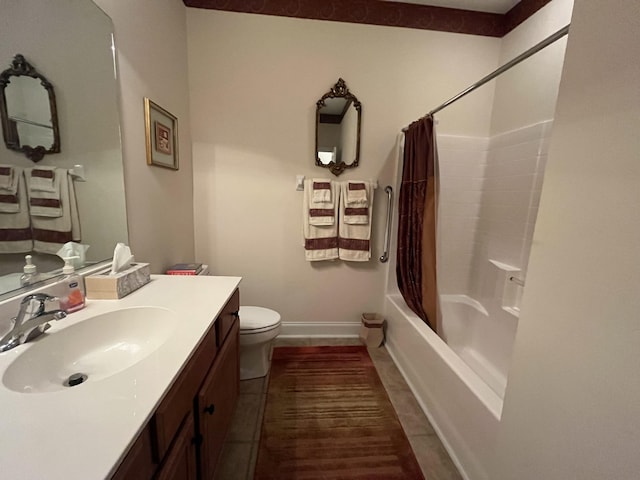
97	348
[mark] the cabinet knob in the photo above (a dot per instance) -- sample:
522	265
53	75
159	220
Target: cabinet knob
236	314
210	409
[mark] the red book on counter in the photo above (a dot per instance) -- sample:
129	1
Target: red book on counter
184	269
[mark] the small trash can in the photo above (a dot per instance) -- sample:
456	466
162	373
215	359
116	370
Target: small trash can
372	329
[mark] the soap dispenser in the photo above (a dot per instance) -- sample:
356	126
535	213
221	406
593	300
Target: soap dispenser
72	288
30	274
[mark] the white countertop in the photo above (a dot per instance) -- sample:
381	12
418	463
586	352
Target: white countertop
83	432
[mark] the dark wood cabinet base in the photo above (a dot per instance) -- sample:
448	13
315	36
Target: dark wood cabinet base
184	438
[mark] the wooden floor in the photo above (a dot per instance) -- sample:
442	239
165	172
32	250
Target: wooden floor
239	454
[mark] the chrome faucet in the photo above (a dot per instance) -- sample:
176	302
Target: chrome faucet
30	323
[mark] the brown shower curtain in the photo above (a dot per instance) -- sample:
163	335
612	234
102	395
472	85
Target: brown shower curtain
416	258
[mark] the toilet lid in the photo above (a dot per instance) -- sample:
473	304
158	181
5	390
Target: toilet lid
257	319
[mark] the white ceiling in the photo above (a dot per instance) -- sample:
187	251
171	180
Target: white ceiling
494	6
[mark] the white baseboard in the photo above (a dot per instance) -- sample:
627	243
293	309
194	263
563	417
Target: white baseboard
318	330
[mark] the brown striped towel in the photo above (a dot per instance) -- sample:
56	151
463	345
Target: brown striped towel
15	226
50	233
44	185
320	240
321	191
7	178
9	201
43	179
354	242
322	208
356	194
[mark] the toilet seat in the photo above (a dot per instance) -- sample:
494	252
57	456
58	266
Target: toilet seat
254	320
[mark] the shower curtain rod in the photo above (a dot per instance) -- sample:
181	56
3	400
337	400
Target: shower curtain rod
523	56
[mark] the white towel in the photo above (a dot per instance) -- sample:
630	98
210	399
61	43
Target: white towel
45	203
43	179
320	241
8	179
356	193
354	241
50	233
356	215
356	212
321	191
321	212
15	228
9	201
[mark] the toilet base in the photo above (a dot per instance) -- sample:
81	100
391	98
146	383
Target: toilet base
255	360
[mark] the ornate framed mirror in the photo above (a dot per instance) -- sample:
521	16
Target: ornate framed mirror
338	118
28	111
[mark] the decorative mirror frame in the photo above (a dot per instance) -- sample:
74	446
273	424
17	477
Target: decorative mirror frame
339	90
20	67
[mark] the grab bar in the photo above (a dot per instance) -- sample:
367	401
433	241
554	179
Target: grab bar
387	234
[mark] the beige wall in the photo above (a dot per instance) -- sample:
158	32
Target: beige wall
527	93
151	43
572	406
254	81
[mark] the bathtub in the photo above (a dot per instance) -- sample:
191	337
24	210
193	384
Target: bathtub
463	407
463	316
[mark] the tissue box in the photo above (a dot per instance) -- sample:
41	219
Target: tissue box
101	285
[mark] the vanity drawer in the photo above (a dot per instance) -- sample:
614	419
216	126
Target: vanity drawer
179	401
227	316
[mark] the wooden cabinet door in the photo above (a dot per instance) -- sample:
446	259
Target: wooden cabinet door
138	464
179	401
217	400
180	462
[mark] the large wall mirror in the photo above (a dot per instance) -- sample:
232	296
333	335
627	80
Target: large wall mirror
338	118
69	42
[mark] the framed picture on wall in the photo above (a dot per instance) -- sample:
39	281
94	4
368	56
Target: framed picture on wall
161	135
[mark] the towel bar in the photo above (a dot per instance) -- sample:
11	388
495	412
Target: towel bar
300	183
387	234
77	172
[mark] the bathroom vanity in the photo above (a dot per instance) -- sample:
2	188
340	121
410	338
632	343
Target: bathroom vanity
162	368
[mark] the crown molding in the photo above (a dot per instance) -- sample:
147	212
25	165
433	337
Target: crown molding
391	14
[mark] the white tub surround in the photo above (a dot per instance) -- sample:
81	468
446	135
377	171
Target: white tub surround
461	317
84	432
461	406
490	188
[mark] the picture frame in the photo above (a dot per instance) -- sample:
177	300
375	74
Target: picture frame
161	136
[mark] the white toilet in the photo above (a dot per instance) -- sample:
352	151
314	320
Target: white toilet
259	326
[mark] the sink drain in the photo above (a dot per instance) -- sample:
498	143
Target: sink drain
75	379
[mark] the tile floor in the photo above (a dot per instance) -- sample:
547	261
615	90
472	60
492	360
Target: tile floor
241	447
